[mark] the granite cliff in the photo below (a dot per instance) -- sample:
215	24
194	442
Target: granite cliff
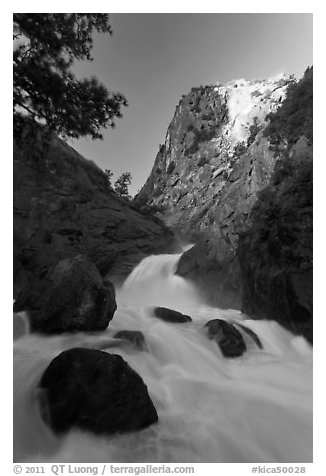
63	207
207	174
206	181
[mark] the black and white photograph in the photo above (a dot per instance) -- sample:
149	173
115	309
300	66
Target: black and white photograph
162	240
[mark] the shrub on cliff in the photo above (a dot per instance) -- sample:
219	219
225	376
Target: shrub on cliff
282	214
171	167
203	161
202	135
276	250
240	149
295	117
291	183
253	131
45	89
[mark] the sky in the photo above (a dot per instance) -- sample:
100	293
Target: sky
220	47
153	59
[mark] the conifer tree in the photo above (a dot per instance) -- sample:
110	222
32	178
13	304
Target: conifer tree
45	89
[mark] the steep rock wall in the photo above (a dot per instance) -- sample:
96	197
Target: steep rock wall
276	249
206	177
63	207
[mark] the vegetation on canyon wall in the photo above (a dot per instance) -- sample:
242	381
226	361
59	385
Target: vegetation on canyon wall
224	174
276	250
295	118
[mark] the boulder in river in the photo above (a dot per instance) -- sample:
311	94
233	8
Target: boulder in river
228	338
136	338
70	296
96	391
169	315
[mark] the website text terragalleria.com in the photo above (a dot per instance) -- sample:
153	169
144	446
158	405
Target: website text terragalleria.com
137	469
61	469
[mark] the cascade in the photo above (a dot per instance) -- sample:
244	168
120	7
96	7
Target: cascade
254	408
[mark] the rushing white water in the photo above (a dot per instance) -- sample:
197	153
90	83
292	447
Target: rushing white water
256	408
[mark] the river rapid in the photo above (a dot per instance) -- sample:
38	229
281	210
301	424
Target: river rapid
254	408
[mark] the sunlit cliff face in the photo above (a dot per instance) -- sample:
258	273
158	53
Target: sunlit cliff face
249	99
204	139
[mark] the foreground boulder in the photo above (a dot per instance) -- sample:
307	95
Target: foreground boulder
169	315
70	296
95	391
228	338
136	338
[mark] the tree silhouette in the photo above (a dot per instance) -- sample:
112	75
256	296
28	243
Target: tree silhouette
109	175
45	89
121	185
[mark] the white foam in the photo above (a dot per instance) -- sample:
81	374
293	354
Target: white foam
257	408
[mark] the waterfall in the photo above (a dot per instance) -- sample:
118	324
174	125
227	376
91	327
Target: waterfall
153	283
254	408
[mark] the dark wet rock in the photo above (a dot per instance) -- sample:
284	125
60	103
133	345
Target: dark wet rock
212	264
96	391
284	295
251	334
136	338
64	206
228	338
276	251
70	296
215	275
169	315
